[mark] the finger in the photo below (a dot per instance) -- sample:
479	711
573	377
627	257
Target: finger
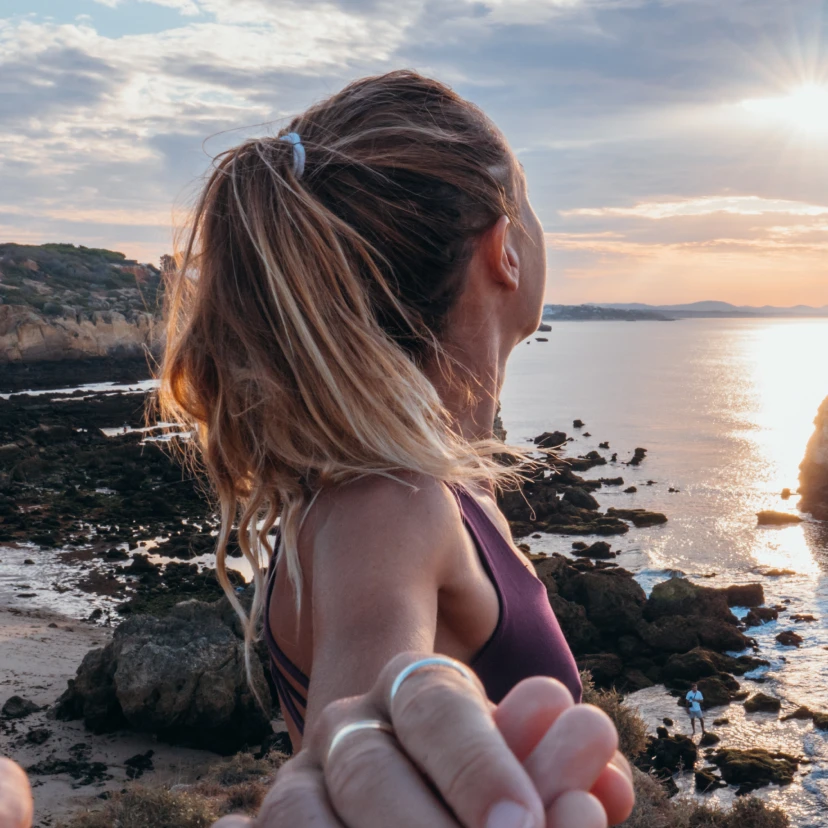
298	798
620	761
529	710
372	784
573	752
576	808
444	724
16	806
614	790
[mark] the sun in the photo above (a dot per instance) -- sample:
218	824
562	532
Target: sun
804	109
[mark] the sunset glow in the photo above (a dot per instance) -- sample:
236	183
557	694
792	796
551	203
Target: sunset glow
805	109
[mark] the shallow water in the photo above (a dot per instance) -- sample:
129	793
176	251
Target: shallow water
725	409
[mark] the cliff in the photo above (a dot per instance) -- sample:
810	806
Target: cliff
58	301
813	472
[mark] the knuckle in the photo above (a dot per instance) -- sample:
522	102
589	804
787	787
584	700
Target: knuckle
426	700
470	778
357	769
288	801
332	717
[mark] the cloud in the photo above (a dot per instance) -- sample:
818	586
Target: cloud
705	206
185	7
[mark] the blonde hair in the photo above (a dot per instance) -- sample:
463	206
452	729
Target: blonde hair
303	310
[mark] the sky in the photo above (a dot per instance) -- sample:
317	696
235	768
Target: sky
676	150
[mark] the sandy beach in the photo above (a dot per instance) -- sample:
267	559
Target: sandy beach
39	652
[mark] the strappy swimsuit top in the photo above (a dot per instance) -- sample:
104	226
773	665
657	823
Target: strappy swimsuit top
527	640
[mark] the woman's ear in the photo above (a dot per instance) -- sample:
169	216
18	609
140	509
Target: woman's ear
502	255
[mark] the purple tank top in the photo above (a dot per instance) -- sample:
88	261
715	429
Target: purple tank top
527	640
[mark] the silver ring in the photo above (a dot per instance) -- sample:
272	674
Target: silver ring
355	727
432	661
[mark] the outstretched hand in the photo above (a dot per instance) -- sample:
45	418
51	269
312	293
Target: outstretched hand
535	761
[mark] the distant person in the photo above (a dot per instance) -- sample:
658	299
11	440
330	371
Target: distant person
694	700
337	340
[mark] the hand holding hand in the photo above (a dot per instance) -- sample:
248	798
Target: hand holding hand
432	751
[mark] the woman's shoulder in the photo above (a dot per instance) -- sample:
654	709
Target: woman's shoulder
408	511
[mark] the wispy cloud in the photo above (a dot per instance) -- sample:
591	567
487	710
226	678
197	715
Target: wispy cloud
705	206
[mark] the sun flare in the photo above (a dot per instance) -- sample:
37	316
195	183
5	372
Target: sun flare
805	108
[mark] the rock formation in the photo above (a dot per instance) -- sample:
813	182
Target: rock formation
813	472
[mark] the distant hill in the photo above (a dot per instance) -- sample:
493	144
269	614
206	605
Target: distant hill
711	309
584	313
59	301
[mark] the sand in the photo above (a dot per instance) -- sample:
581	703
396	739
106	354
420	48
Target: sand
39	652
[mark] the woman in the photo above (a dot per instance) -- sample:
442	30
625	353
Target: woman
337	340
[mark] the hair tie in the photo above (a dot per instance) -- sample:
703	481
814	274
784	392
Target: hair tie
298	152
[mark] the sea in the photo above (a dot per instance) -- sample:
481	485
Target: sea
724	408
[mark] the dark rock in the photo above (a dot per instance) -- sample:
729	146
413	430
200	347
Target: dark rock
630	490
577	423
634	680
754	768
180	677
761	615
606	668
638	457
550	439
802	713
803	618
707	782
718	690
662	733
709	739
788	638
745	595
640	518
115	554
38	735
673	753
139	764
599	550
668	722
786	494
678	596
578	546
580	498
762	703
721	722
603	445
16	707
771	518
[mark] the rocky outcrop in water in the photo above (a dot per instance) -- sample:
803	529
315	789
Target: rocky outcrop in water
813	472
181	677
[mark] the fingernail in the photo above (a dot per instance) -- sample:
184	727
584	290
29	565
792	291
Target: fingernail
510	815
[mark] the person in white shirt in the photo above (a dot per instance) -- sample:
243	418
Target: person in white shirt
694	700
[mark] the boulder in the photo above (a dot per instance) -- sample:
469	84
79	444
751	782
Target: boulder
678	596
701	662
673	753
788	638
640	518
709	739
754	768
16	707
707	781
718	690
600	550
771	518
606	668
813	471
580	498
745	595
613	600
761	615
181	677
762	703
550	439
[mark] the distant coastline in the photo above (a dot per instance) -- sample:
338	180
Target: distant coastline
639	312
591	313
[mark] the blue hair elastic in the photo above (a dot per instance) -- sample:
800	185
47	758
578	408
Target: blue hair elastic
298	152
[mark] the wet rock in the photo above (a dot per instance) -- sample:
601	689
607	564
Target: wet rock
718	690
801	713
180	677
600	550
707	781
745	595
678	596
604	445
638	457
640	518
668	722
755	768
630	490
16	707
139	764
577	424
709	739
550	439
580	498
761	615
808	619
38	735
721	722
673	753
762	703
788	638
771	518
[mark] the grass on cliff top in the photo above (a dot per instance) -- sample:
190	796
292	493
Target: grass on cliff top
235	786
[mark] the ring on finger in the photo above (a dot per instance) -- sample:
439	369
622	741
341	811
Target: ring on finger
431	661
355	727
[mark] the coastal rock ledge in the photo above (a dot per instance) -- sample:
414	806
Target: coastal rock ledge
813	472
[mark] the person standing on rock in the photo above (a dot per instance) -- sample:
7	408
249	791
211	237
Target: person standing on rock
338	333
694	699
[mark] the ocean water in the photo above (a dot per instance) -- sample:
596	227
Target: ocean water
725	409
